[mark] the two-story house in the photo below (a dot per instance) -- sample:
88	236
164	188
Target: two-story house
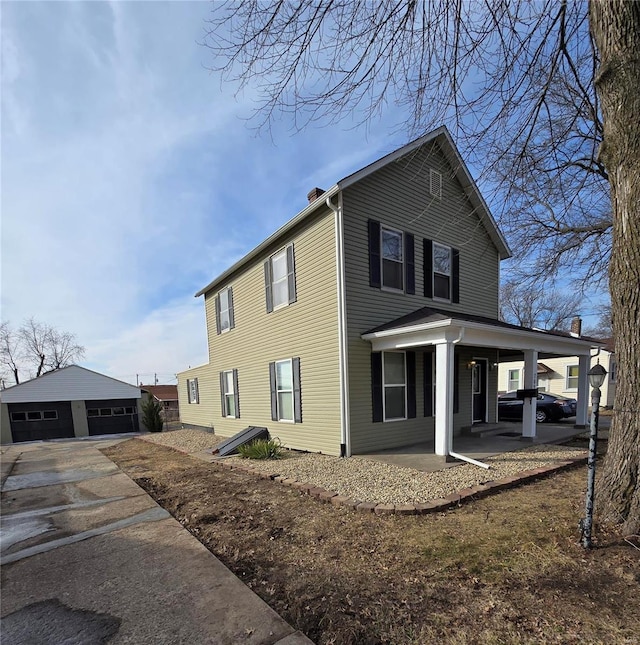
370	319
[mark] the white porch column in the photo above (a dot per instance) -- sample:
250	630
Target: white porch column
444	398
529	405
582	409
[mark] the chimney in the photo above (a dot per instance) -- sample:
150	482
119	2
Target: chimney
576	326
314	194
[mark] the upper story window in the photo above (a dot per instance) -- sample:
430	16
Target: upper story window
572	377
192	390
441	272
391	258
225	319
280	279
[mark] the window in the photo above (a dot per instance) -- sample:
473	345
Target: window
286	399
394	382
441	271
514	380
613	370
572	377
280	279
93	412
224	311
118	411
229	394
35	415
435	183
392	259
105	412
192	390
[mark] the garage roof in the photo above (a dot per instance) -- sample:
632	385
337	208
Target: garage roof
73	383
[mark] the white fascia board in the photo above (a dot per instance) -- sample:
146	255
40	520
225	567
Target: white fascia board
476	334
285	228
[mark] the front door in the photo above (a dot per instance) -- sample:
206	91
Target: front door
479	390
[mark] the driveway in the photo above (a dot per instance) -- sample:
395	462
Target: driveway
88	557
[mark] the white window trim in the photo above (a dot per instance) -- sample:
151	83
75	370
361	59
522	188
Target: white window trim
194	395
566	382
227	310
510	380
227	394
293	403
449	275
385	385
384	287
282	305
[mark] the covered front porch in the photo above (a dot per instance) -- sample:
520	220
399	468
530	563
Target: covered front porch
441	333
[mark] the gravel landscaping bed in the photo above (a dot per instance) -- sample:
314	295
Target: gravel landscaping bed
373	481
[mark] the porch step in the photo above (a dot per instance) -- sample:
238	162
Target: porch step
486	429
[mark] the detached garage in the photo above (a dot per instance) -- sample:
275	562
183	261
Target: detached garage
70	402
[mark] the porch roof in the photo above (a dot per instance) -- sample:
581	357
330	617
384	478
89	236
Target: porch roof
430	326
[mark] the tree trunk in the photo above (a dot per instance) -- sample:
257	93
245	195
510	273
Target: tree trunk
615	27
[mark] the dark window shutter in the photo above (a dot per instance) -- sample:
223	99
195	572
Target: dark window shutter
222	397
411	385
376	385
374	254
267	285
428	384
274	393
232	318
297	392
428	268
409	264
197	392
455	275
218	330
236	393
456	384
291	274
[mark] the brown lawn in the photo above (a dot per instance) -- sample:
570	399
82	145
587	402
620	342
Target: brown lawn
504	569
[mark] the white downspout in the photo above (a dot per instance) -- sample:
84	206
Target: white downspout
345	426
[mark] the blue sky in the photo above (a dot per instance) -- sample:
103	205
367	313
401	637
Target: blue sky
131	176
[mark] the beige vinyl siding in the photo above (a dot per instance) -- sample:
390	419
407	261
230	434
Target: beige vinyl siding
307	329
398	196
199	414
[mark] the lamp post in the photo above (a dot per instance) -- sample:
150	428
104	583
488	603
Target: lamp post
596	378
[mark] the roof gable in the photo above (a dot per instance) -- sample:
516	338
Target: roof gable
72	383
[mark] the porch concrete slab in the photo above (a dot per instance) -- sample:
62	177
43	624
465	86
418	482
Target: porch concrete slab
421	456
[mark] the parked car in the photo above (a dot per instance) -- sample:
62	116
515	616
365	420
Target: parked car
549	407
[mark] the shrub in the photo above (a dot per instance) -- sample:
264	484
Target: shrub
261	449
152	415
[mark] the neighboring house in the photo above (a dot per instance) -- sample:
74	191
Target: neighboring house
167	396
370	319
69	402
560	375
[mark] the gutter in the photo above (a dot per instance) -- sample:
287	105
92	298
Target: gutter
345	426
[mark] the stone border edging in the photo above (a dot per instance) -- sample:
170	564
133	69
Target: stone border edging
419	508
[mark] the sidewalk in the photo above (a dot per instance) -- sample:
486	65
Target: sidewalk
88	557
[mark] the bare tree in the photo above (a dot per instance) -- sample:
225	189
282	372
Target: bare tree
537	306
35	348
516	82
603	327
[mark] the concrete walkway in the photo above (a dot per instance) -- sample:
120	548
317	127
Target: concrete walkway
88	557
